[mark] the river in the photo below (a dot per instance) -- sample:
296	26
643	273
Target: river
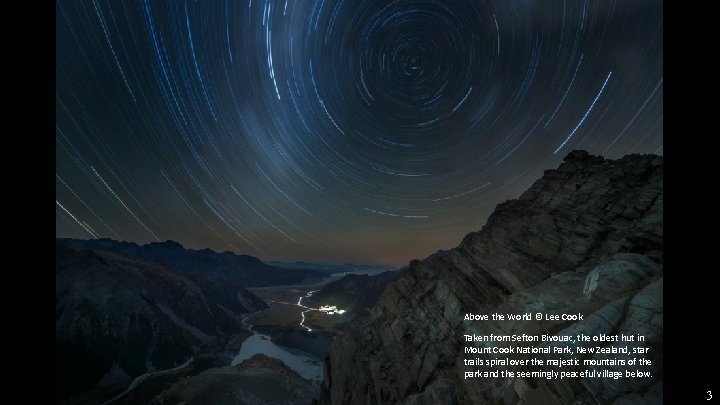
305	364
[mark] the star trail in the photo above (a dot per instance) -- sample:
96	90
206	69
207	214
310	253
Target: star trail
337	130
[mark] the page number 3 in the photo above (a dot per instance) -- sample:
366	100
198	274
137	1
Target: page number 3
709	395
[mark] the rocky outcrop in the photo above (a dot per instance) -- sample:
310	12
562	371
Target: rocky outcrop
117	317
257	380
586	237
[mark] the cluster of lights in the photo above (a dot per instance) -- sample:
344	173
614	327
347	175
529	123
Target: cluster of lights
330	310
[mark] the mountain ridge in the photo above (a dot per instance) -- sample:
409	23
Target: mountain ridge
591	218
118	316
246	270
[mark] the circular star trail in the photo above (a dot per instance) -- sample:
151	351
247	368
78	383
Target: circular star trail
373	131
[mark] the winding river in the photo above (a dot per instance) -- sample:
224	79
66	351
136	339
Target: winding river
305	364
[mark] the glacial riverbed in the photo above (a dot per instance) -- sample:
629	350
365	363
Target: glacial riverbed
305	364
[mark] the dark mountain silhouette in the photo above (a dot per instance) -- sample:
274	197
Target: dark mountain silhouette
247	271
120	316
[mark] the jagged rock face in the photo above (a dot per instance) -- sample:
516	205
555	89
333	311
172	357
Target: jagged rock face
117	317
587	237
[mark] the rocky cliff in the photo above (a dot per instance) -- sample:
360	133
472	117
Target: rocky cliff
591	222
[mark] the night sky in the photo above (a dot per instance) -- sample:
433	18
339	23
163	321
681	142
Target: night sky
349	130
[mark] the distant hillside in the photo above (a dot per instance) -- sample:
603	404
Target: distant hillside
329	268
354	292
247	271
117	317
